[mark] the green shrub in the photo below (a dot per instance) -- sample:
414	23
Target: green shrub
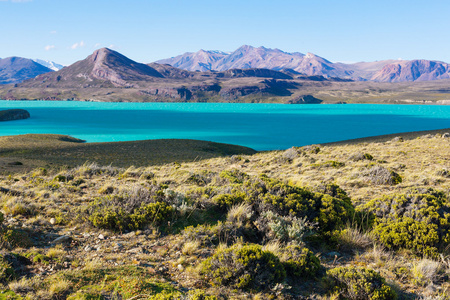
330	163
7	272
335	191
117	218
60	178
166	296
419	221
197	179
359	284
245	267
225	201
200	295
368	156
41	258
234	176
300	262
13	238
328	212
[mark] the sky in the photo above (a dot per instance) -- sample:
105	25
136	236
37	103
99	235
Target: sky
66	31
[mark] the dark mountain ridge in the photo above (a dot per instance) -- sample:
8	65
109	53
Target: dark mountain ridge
16	69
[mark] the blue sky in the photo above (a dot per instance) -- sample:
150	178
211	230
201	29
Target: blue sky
147	30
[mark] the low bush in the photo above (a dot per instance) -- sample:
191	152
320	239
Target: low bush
357	156
359	284
419	221
200	295
12	237
103	215
300	262
327	164
132	209
328	212
245	267
234	176
7	272
225	201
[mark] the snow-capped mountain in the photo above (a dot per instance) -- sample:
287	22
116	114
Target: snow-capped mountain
49	64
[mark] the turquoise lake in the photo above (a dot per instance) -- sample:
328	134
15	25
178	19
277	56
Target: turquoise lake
259	126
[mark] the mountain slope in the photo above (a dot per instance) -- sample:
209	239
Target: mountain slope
103	68
197	61
414	70
17	69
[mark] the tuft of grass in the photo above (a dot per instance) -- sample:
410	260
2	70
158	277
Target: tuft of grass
190	247
239	213
426	271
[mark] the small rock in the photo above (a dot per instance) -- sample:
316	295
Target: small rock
135	250
98	248
62	239
129	235
180	267
53	221
87	248
101	236
446	135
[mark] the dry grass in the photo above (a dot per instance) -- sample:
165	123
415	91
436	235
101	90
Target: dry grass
239	213
418	161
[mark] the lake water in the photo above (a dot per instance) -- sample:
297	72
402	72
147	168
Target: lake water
259	126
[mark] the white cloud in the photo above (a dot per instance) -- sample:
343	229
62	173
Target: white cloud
112	46
77	45
53	32
49	47
97	45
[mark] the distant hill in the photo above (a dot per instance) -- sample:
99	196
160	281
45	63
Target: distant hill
413	70
17	69
247	57
103	68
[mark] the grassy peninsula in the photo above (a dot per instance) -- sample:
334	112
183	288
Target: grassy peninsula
357	220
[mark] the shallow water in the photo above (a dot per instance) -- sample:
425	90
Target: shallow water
259	126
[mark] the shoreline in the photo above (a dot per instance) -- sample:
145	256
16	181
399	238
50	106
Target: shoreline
444	102
410	135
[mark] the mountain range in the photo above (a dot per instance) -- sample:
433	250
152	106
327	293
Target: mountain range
16	69
247	57
107	75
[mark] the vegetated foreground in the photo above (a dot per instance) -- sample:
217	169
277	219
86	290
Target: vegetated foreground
359	221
